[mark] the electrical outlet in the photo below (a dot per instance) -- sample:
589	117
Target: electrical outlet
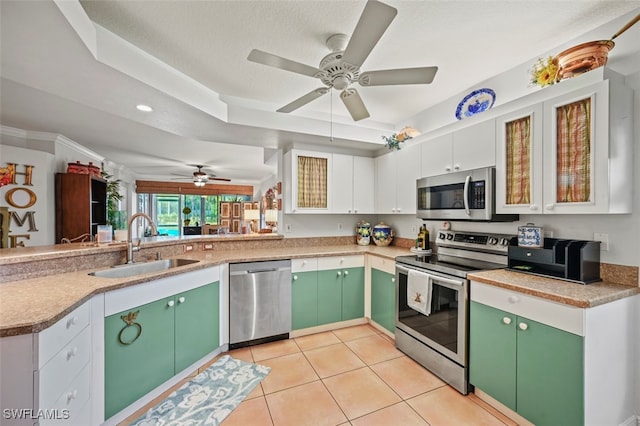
339	227
548	234
414	229
604	240
287	227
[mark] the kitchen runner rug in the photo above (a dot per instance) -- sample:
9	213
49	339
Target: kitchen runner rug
208	398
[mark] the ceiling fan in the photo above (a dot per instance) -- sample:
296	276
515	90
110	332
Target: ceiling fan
200	178
340	68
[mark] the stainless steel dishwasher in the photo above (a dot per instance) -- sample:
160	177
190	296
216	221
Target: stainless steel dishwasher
259	302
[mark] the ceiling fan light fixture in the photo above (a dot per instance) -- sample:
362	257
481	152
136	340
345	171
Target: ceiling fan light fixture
199	183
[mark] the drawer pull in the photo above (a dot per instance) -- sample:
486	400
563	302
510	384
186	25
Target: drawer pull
506	320
72	321
71	396
523	326
181	299
71	353
130	320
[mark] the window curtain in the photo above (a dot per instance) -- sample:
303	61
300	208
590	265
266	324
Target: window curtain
518	137
312	182
573	123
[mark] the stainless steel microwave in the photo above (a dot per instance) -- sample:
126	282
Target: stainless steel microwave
467	195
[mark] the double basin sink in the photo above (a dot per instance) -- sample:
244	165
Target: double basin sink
133	269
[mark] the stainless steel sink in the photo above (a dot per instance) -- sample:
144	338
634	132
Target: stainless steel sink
132	269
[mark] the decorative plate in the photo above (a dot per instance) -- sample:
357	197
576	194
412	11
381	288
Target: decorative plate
475	102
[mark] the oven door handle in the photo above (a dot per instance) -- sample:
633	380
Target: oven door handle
456	283
465	198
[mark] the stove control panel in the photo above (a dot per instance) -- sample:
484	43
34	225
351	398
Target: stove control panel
476	240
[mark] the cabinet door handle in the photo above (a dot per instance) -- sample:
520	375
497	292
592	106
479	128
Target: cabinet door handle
355	211
549	206
339	273
533	207
72	395
456	167
447	169
393	280
170	303
346	273
523	326
181	299
506	320
295	278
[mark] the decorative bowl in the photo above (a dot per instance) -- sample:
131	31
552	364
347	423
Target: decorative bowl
583	57
382	234
363	233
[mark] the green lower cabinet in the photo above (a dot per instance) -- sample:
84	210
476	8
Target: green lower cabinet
383	299
329	296
532	368
197	325
132	370
304	300
550	384
492	352
174	333
352	293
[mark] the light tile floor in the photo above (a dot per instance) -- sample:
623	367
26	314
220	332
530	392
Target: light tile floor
351	376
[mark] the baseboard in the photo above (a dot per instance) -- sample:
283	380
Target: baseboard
327	327
521	421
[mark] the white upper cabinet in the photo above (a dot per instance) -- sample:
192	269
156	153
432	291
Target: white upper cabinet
396	175
309	176
352	187
569	154
469	148
519	160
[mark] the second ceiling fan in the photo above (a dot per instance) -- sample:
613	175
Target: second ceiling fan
340	68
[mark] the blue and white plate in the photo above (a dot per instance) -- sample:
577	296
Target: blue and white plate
475	102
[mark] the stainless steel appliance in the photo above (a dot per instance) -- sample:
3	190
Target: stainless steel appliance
432	300
259	302
468	195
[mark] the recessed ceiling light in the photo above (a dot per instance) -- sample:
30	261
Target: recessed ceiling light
145	108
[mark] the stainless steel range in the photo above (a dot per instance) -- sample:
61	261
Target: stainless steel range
432	303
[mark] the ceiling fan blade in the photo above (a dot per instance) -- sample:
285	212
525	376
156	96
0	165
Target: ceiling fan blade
352	100
221	179
373	22
279	62
423	75
303	100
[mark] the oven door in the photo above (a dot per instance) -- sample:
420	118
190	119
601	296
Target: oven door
444	329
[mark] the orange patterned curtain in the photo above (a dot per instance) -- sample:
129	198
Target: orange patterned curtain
518	137
574	152
312	182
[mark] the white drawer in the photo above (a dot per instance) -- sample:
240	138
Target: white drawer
382	264
51	340
60	371
558	315
304	265
339	262
72	405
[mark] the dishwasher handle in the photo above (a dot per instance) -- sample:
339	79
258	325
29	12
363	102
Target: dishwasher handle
257	271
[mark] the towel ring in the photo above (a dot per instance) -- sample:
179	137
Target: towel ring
129	319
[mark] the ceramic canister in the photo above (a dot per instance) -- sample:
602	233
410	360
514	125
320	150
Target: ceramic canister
382	234
363	233
530	235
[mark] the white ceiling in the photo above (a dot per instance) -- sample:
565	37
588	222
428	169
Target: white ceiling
214	107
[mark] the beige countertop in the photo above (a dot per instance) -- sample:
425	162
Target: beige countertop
569	293
32	305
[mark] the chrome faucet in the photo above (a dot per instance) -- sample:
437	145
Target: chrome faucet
130	248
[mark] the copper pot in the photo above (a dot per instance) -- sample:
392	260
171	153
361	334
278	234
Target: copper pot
587	56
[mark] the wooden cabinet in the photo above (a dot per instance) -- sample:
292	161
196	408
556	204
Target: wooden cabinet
569	154
352	186
81	205
396	175
147	344
383	299
468	148
326	290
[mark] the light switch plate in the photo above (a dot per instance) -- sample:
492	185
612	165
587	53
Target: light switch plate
604	240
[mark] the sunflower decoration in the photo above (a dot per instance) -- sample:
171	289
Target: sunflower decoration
544	72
